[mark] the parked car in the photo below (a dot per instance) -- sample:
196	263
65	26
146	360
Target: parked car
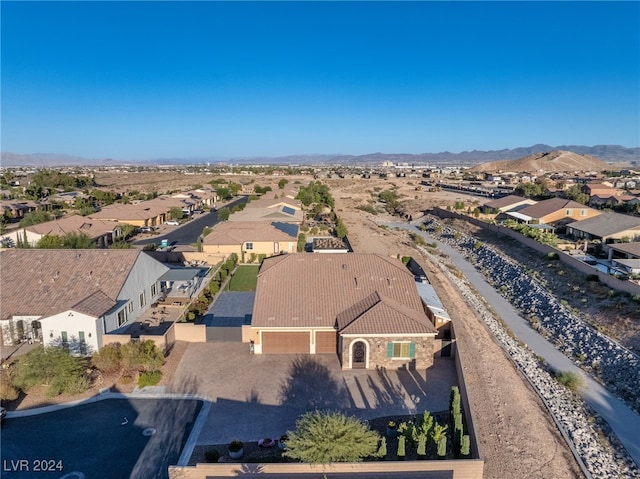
172	223
147	229
198	212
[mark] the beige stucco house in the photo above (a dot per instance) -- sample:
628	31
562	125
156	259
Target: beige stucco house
363	307
74	297
102	232
250	239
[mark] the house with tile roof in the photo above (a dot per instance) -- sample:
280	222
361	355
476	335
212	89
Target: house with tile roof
73	297
507	203
102	232
607	228
363	307
17	209
555	211
246	238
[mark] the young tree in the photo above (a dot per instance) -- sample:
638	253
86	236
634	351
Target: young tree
35	217
223	214
49	242
302	242
324	436
73	240
341	229
176	213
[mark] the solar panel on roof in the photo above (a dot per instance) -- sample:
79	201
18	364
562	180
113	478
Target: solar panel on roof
288	210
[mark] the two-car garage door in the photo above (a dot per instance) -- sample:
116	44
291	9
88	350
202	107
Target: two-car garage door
285	343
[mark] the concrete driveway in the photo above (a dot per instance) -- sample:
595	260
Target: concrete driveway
257	396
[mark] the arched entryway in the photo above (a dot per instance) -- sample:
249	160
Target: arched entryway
359	354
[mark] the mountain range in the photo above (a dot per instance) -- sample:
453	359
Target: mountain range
609	153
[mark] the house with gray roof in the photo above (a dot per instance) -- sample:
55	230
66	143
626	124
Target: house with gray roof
363	307
606	227
73	297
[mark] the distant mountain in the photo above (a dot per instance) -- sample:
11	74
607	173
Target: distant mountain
552	161
608	153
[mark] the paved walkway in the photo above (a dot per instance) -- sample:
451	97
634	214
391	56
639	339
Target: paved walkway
622	420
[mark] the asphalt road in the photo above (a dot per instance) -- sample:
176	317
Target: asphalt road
624	422
188	233
113	438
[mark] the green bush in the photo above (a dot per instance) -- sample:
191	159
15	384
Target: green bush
402	447
141	356
465	447
326	436
108	358
570	380
52	366
149	378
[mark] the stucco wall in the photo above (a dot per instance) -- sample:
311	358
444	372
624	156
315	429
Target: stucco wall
222	249
460	469
72	322
377	352
193	333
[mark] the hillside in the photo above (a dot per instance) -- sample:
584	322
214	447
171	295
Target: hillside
552	161
609	153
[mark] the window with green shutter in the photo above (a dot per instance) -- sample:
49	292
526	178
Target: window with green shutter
401	349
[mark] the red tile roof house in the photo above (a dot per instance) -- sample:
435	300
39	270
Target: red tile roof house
73	297
364	307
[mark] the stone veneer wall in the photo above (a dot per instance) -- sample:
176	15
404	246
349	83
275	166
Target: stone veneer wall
424	352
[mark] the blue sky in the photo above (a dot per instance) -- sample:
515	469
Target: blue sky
139	80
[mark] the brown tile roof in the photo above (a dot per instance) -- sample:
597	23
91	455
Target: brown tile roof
274	202
237	233
47	282
311	290
378	314
96	304
547	207
278	212
93	228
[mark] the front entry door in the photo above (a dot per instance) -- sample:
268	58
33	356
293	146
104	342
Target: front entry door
359	355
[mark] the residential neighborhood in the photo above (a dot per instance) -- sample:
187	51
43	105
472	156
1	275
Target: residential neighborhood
272	278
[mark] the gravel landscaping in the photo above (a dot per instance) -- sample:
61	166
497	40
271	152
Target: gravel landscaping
616	363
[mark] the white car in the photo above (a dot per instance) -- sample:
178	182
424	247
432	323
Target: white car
172	223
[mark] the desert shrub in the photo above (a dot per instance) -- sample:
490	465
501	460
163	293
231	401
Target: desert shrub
7	391
141	356
108	358
149	378
54	367
326	436
570	380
